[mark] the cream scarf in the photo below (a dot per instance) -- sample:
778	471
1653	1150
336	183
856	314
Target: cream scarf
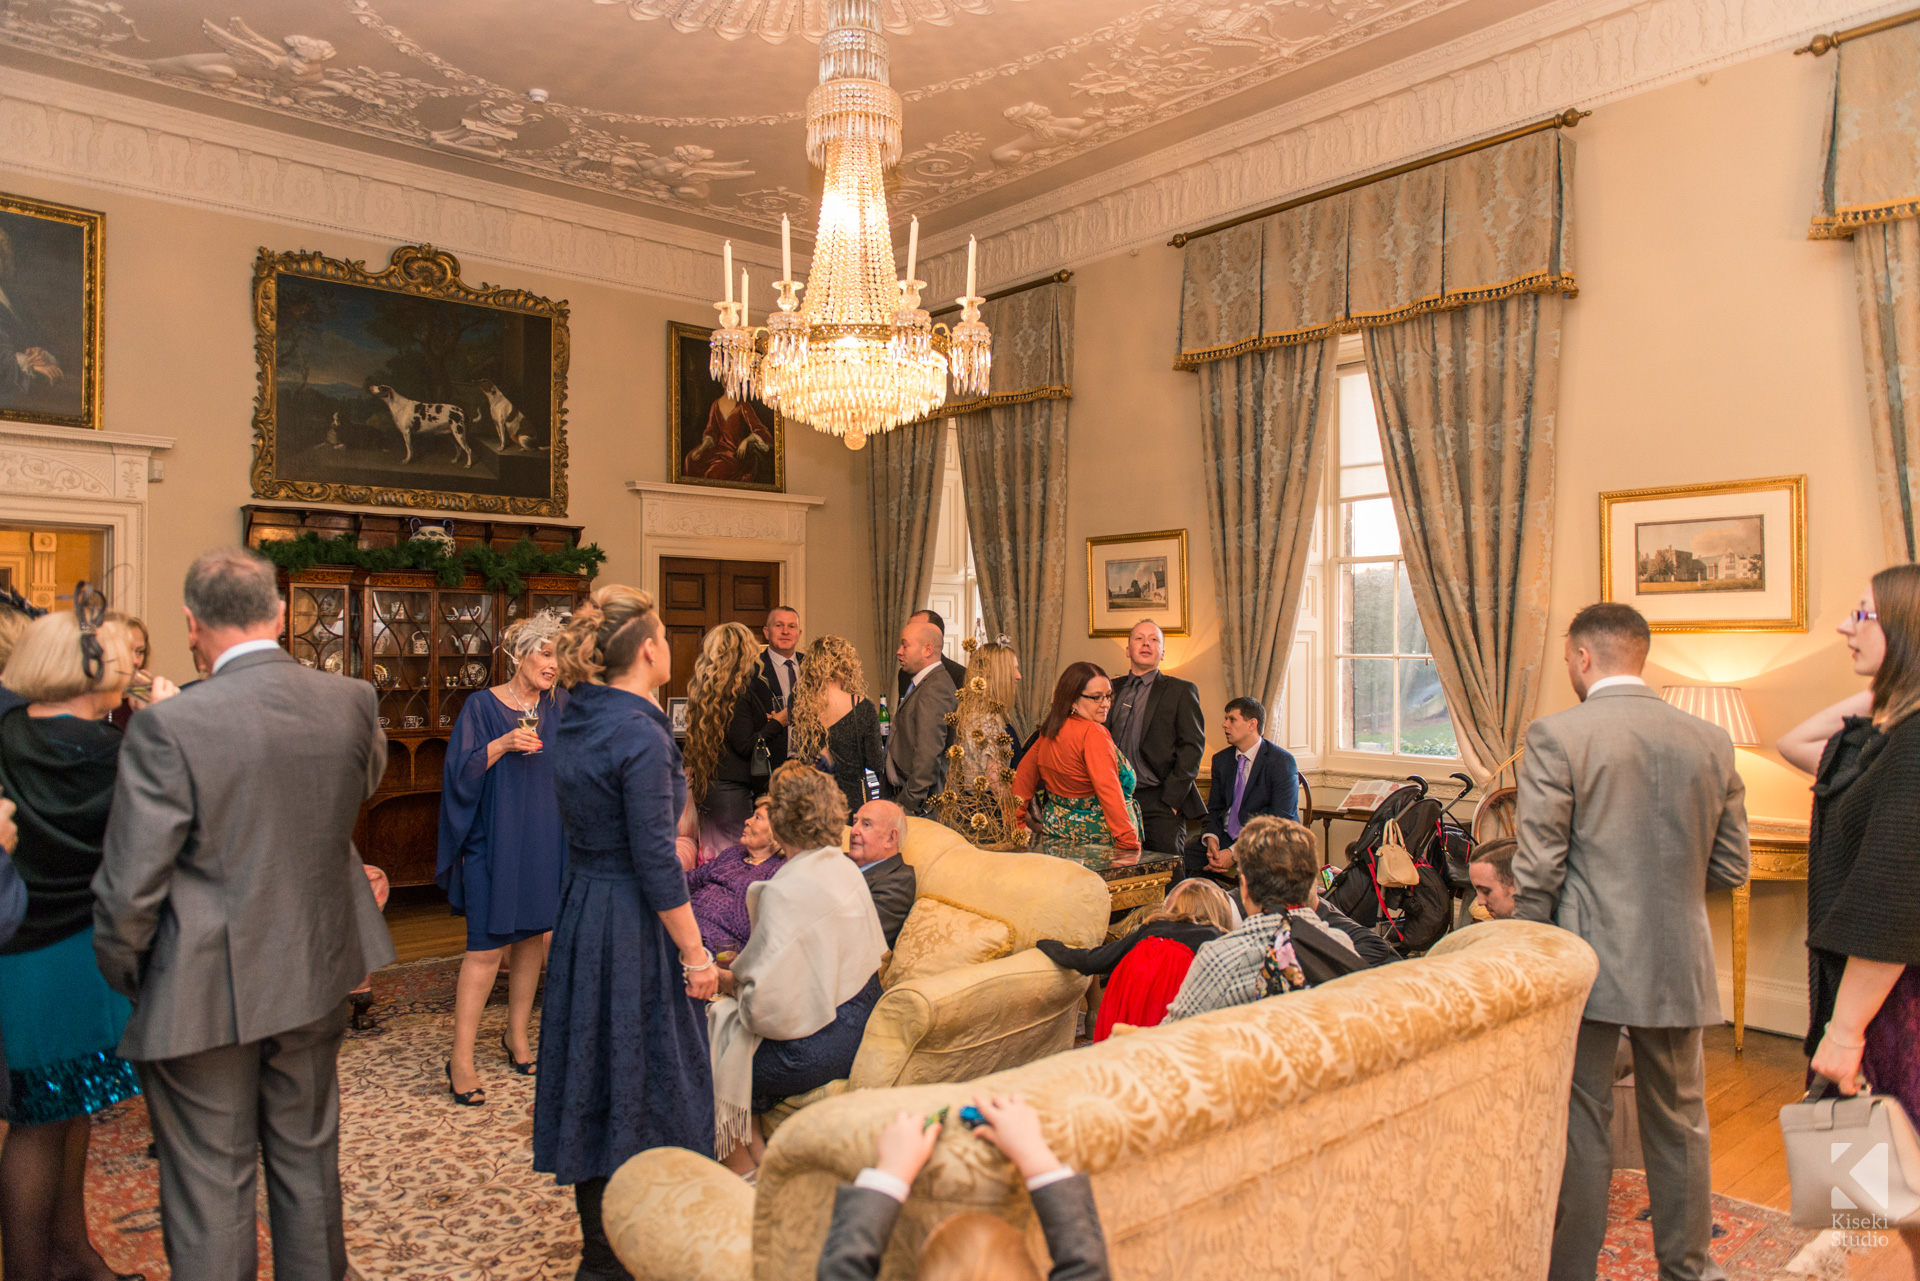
816	941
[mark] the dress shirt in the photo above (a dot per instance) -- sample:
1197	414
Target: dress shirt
786	672
1606	681
1243	770
244	647
1133	723
919	676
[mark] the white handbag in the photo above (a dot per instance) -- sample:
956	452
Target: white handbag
1854	1162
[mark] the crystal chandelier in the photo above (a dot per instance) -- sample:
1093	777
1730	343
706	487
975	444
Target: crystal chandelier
859	356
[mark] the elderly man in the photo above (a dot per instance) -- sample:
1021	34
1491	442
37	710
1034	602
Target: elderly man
1157	725
1491	871
916	748
878	830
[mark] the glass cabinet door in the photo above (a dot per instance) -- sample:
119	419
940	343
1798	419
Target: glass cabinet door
469	638
561	603
318	627
402	659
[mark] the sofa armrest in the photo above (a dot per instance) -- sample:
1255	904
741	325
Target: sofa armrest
968	1022
673	1215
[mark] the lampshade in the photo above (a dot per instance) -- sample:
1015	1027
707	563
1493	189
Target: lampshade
1722	705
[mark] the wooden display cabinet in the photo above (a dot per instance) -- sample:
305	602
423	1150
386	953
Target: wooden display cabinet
425	647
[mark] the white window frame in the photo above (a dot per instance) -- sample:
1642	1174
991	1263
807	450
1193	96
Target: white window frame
1307	708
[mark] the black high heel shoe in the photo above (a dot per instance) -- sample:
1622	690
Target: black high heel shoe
476	1097
523	1067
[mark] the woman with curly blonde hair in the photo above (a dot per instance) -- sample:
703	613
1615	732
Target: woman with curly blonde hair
834	724
728	713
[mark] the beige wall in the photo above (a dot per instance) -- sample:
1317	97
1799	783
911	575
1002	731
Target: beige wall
179	362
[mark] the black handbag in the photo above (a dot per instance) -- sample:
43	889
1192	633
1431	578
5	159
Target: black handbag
760	766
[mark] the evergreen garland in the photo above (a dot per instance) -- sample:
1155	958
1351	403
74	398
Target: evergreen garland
502	570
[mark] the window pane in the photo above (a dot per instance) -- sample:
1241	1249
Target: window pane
1413	637
1359	437
1366	609
1367	528
1366	704
1370	479
1425	727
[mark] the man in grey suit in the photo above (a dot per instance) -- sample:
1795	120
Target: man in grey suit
1630	812
233	910
919	733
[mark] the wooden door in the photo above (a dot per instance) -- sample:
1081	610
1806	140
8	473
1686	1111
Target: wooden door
697	596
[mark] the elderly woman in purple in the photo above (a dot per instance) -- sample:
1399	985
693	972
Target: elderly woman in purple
719	886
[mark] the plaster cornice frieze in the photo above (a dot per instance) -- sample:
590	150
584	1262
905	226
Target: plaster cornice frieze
1574	53
81	134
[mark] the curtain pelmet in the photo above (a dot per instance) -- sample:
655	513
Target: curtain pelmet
1871	170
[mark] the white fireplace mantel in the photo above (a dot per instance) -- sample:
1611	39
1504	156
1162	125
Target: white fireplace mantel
724	524
98	479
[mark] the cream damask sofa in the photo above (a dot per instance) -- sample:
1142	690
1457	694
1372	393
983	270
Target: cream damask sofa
964	1016
1407	1122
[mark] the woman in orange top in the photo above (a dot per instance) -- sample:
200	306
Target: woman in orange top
1073	786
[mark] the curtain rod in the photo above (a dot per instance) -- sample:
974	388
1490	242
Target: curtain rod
1060	277
1565	120
1820	45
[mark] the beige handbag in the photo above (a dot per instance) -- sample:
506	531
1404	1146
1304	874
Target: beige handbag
1854	1162
1393	867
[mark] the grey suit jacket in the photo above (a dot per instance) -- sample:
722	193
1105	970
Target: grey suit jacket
918	737
230	903
1630	811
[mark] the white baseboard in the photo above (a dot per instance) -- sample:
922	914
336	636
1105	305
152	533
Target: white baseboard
1772	1006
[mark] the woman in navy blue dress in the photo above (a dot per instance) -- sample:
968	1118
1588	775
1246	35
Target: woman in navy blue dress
501	846
623	1026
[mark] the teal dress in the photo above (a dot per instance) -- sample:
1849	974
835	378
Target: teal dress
59	1020
1078	820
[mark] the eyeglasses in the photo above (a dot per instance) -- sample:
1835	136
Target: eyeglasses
1098	698
1864	616
90	609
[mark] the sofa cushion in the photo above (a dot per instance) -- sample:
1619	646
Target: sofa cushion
940	935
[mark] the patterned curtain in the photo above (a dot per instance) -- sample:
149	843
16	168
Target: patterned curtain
1263	418
1466	401
903	471
1013	467
1888	259
1870	191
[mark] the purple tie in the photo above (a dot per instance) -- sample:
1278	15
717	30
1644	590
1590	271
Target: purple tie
1239	792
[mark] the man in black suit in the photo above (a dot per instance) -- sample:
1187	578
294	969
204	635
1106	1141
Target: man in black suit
779	667
876	835
957	671
1251	776
1156	723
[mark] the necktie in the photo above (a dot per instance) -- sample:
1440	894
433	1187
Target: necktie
791	678
1239	793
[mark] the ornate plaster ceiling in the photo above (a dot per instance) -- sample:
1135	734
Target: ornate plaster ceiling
693	107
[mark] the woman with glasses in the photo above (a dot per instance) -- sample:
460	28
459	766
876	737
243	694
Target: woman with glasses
59	759
1863	855
502	849
1073	786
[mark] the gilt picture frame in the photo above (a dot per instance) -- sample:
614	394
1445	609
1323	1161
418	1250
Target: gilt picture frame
52	334
712	440
1729	556
407	387
1131	577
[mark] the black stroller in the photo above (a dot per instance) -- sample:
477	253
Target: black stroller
1411	918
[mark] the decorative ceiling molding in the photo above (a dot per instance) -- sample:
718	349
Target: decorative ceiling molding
81	134
1581	53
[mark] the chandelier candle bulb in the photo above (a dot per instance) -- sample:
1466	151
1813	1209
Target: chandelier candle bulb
913	247
726	270
786	248
744	296
972	245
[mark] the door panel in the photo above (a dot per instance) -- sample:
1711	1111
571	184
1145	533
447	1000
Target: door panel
697	596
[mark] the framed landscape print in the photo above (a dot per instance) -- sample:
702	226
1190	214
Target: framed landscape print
712	439
1729	557
50	326
1131	577
407	387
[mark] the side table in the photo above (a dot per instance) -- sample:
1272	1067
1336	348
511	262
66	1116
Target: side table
1779	854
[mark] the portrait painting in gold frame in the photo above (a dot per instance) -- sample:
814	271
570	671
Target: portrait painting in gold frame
407	387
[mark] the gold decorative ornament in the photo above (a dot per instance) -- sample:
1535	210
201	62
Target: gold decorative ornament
486	410
977	799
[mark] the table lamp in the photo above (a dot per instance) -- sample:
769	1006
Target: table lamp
1722	705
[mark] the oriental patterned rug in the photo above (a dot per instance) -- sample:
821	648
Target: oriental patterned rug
435	1192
